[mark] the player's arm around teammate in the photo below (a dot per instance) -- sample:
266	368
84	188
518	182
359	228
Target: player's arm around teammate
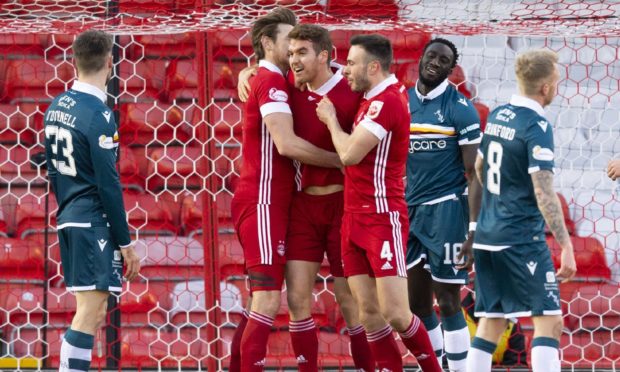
613	169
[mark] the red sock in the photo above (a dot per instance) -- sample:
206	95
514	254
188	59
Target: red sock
305	344
415	337
254	342
235	346
385	350
360	350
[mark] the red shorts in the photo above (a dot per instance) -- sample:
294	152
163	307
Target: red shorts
374	244
314	229
261	230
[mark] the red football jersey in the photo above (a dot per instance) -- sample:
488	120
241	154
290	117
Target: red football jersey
266	176
309	127
375	185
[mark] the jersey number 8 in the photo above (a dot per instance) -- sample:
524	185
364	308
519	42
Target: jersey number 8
61	134
494	160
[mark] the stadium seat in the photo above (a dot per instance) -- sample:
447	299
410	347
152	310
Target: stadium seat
148	216
148	348
163	46
155	124
227	120
21	261
145	304
141	81
18	125
407	73
4	227
589	255
385	9
20	44
230	255
170	258
192	213
30	215
583	349
177	168
129	171
593	307
146	7
181	82
16	168
35	80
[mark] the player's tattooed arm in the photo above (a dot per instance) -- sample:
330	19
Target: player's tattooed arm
551	209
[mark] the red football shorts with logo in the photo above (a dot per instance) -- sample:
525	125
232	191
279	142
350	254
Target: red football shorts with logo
374	244
314	229
261	230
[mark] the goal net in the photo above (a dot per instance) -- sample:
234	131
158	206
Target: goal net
174	97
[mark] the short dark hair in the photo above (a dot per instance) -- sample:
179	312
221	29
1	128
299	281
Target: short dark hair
447	43
268	26
376	45
90	50
319	36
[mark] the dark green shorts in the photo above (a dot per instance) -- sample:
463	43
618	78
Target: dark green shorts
90	259
436	234
518	281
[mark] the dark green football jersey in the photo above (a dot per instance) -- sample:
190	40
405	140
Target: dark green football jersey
441	123
517	142
81	147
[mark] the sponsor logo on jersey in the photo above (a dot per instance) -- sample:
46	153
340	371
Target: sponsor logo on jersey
550	277
542	153
426	145
374	109
108	143
543	124
278	95
531	266
117	255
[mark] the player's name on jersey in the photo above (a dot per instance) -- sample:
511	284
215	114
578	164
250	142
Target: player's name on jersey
60	117
499	130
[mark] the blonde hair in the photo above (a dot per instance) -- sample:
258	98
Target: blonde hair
533	68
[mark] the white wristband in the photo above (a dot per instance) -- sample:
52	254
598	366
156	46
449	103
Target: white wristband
472	226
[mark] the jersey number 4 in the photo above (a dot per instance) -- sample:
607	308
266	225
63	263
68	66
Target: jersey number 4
55	134
495	151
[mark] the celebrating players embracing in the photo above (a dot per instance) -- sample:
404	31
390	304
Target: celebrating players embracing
375	224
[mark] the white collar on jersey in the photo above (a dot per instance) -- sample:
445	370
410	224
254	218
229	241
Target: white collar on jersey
518	100
439	90
329	84
381	86
83	87
270	66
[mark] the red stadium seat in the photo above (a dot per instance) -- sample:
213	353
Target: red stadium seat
144	348
589	255
148	216
35	80
30	215
141	81
483	112
21	44
16	168
231	255
584	349
4	227
129	171
191	213
368	8
153	123
182	80
227	120
21	124
407	73
21	261
594	307
177	168
163	46
144	7
169	258
145	304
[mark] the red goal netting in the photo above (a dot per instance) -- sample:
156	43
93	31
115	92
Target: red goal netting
174	94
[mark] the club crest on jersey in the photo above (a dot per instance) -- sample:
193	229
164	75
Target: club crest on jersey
374	109
542	153
281	248
108	143
278	95
439	116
